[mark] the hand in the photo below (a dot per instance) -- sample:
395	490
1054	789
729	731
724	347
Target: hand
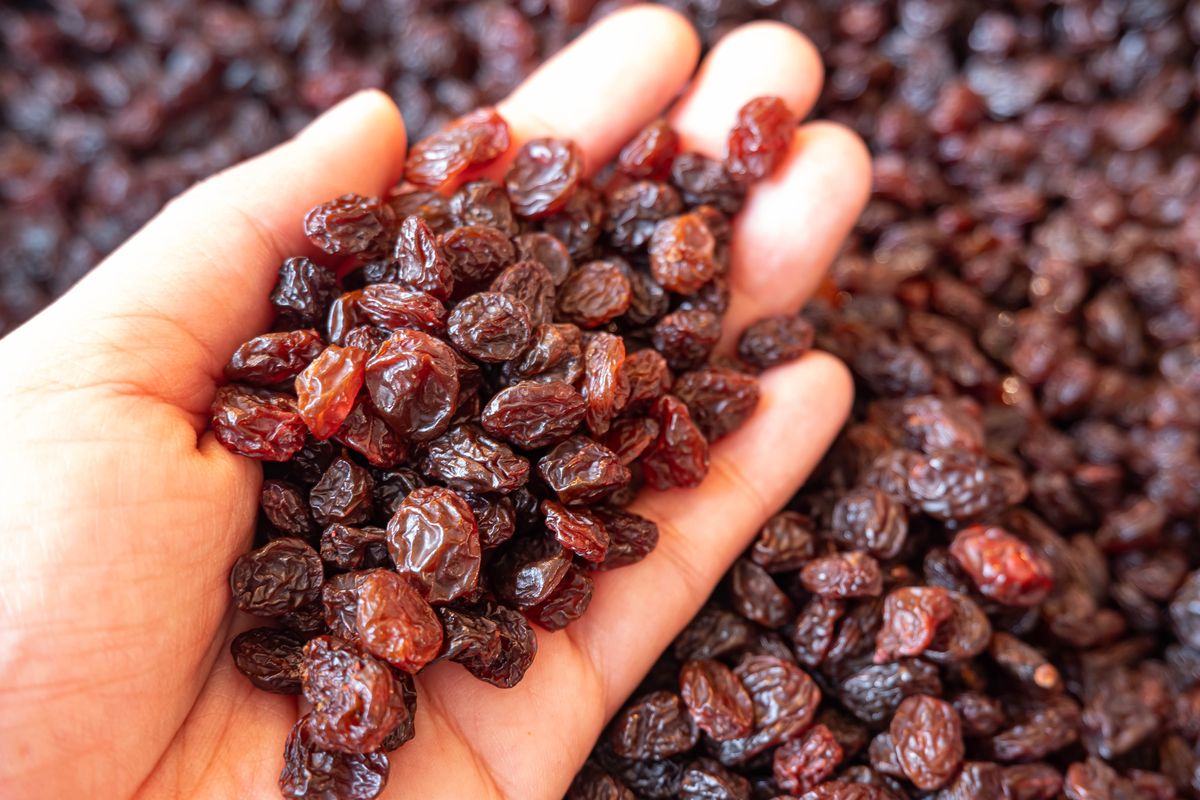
123	516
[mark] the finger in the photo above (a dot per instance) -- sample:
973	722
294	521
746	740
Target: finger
193	284
794	223
762	58
605	86
638	610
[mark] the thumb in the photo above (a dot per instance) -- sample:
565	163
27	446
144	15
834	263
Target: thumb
162	314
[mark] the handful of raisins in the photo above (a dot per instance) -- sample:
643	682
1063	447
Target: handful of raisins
450	430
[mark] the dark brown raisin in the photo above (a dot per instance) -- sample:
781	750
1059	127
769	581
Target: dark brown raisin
280	576
533	415
719	400
775	340
270	658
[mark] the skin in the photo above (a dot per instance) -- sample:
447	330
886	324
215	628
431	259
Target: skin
123	517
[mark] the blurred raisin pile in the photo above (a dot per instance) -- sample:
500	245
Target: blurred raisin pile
988	590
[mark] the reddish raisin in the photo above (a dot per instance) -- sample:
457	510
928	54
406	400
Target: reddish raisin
434	540
760	138
543	176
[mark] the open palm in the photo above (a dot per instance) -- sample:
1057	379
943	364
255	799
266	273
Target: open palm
122	517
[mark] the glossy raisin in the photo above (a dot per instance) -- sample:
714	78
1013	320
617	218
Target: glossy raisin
434	540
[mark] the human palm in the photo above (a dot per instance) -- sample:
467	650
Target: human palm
123	516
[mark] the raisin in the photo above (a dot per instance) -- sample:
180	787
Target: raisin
773	341
581	471
256	423
649	154
418	262
466	460
719	400
928	738
716	699
785	543
483	202
394	622
285	507
555	353
413	384
648	376
532	285
593	783
757	597
656	725
577	530
365	432
595	293
494	516
528	570
515	651
679	456
1003	567
533	415
603	390
280	576
803	763
814	628
706	778
434	540
274	357
963	635
629	438
311	771
270	658
759	139
302	292
579	224
355	700
631	537
548	251
477	254
347	548
339	599
543	176
490	326
634	212
343	494
703	181
875	692
327	388
467	143
842	575
785	702
682	253
686	338
391	306
567	603
350	225
911	616
867	519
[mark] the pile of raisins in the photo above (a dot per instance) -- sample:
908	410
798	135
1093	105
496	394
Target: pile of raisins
451	429
1020	304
